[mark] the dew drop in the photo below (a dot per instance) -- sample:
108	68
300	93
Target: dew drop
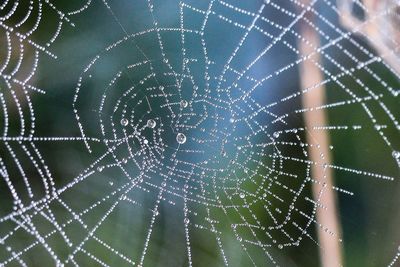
242	195
280	246
124	122
183	103
276	134
396	154
151	123
181	138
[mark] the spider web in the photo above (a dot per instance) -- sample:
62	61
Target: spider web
192	131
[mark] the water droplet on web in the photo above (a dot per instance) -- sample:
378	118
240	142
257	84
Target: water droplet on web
100	168
145	141
124	122
183	103
181	138
280	246
242	195
186	220
231	120
151	123
396	154
276	134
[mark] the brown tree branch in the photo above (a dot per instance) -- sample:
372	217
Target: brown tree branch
329	230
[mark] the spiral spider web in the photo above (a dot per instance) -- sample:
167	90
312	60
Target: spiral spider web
196	143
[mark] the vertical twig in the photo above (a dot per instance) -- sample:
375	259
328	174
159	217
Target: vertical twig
310	75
